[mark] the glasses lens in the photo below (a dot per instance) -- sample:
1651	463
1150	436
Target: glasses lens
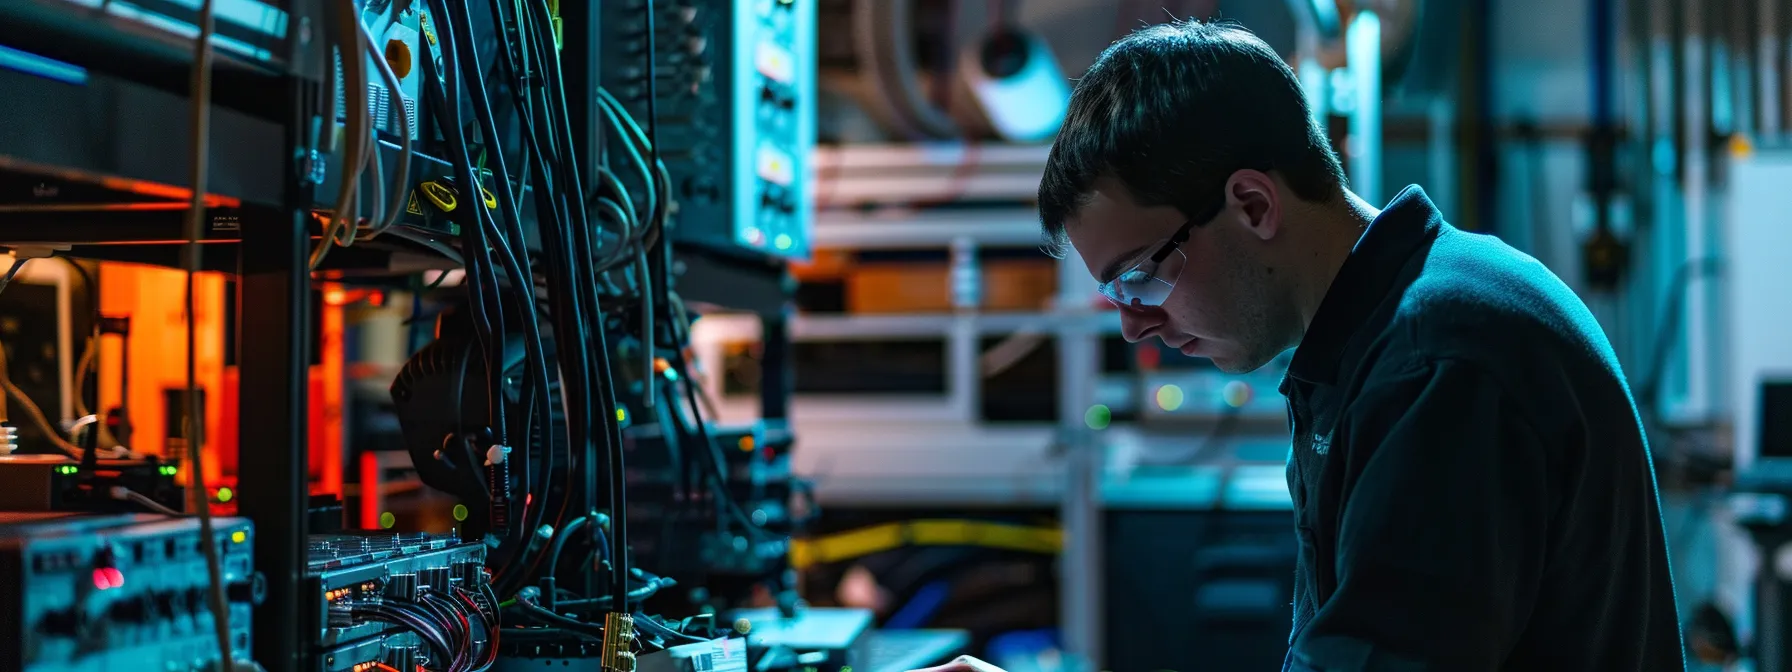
1148	284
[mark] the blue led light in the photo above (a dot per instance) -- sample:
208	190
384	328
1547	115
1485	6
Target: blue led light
47	68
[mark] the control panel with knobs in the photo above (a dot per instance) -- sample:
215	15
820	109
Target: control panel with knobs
733	91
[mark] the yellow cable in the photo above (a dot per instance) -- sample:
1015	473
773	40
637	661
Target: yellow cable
865	541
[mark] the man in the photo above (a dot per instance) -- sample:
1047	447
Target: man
1472	487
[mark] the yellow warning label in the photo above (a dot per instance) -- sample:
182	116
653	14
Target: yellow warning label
414	207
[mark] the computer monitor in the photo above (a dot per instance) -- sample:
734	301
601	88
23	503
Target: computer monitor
1776	418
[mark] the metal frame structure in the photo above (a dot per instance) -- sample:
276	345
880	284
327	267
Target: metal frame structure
128	207
130	168
271	474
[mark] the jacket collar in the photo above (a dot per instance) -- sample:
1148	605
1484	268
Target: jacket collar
1362	283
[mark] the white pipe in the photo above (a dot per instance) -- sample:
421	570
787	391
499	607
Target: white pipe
1363	47
1695	402
1441	114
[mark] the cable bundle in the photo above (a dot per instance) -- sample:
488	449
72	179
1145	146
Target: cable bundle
576	258
360	138
459	627
603	249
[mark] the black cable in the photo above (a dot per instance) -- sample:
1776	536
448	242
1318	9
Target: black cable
560	544
649	377
483	302
458	626
546	185
567	313
616	116
389	613
608	603
608	184
516	265
488	621
451	635
666	632
657	263
477	231
526	601
491	598
16	265
719	474
652	57
601	547
654	176
587	283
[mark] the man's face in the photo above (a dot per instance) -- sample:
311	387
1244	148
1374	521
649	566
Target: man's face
1221	304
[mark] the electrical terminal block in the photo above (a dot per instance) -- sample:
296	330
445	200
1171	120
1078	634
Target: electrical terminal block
619	642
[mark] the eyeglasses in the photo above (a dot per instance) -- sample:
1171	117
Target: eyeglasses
1150	282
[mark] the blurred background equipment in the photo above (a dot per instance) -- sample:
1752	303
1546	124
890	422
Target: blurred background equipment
943	70
706	335
118	591
728	93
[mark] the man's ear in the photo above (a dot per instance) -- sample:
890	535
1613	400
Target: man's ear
1252	202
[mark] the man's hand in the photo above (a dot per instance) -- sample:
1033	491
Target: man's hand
963	664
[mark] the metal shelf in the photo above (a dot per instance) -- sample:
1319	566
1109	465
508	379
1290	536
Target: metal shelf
812	327
111	185
939	463
257	46
853	175
139	148
943	463
97	154
930	155
932	451
898	228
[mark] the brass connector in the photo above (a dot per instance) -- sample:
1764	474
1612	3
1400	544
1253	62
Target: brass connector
619	643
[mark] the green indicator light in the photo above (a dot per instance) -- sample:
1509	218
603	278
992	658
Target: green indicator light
1098	417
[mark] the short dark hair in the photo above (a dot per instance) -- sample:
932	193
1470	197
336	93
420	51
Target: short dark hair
1172	111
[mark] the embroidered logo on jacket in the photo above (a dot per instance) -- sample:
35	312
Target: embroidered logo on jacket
1322	443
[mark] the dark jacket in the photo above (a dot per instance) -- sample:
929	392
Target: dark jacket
1472	487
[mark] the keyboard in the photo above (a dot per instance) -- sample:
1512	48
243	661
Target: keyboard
903	650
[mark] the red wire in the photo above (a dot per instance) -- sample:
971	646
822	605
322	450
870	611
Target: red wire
466	600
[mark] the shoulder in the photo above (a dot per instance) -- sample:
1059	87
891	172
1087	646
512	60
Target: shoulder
1477	303
1475	299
